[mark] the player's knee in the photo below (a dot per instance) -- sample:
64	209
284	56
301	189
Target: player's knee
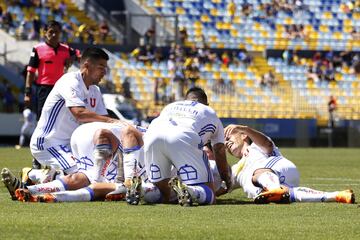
101	136
257	173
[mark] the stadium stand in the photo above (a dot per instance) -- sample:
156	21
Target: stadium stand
268	86
24	21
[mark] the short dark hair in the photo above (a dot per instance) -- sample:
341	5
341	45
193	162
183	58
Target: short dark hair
93	54
52	23
197	94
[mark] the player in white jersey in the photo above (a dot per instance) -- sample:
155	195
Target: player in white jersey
176	138
75	99
267	176
27	128
97	148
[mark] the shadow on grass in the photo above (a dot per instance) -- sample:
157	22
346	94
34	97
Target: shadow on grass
231	201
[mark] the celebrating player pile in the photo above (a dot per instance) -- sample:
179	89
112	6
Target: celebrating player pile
168	163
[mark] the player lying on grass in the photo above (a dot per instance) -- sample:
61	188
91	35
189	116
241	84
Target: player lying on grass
95	149
265	175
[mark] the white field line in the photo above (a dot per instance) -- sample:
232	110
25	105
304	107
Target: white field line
336	179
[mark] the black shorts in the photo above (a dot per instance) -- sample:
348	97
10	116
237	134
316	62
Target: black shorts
42	91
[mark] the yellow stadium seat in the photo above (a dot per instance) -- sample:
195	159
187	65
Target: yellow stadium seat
197	24
323	28
213	12
327	15
234	32
205	18
180	11
288	21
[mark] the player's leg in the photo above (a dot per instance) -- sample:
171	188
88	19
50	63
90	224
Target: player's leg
132	142
275	178
57	157
305	194
195	177
11	182
105	146
157	164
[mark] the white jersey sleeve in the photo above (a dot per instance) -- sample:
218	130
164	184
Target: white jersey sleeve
73	92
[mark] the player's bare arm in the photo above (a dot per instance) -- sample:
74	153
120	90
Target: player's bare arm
84	115
257	137
30	78
221	163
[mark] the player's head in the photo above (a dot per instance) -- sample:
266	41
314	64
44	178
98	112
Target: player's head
197	94
52	32
93	54
93	64
235	143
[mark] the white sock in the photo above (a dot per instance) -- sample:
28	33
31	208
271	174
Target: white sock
151	193
54	186
268	181
202	194
131	158
102	157
304	194
80	195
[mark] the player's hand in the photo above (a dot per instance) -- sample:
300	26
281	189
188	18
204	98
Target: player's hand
27	101
232	129
227	178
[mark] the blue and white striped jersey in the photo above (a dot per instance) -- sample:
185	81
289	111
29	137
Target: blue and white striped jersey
198	117
57	123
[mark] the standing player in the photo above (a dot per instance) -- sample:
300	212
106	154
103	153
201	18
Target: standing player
265	175
49	59
27	128
176	138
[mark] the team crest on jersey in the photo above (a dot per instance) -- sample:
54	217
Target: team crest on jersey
92	102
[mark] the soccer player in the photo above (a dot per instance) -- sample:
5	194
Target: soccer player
27	128
97	147
75	99
176	138
267	176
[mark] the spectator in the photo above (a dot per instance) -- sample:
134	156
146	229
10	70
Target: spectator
231	9
104	31
126	88
355	34
183	36
269	79
332	106
149	37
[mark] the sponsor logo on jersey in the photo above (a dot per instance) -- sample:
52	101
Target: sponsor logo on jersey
92	102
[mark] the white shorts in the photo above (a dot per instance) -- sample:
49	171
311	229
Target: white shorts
58	157
166	145
285	169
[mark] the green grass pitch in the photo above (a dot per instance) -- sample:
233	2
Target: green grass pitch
234	217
